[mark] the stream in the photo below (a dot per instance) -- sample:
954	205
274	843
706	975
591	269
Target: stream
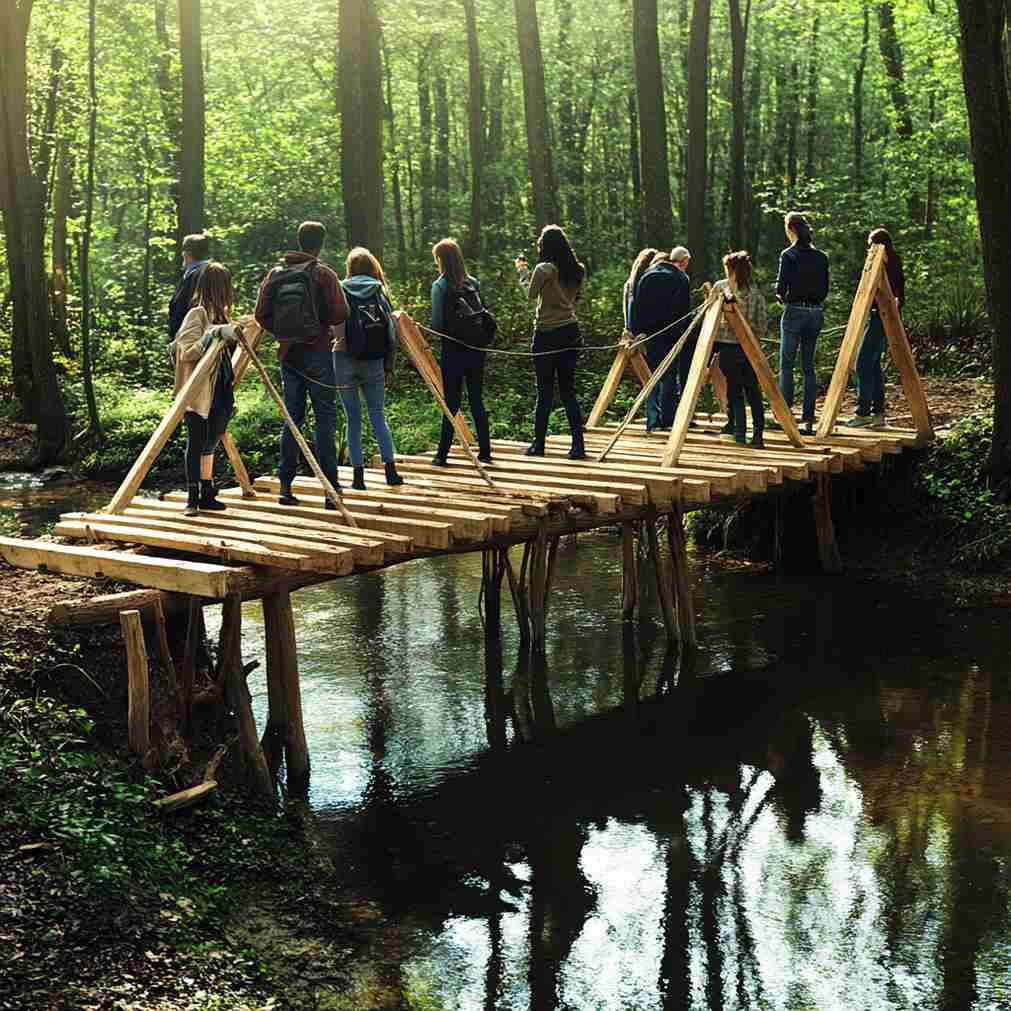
814	814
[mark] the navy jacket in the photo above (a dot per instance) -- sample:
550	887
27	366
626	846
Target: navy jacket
182	299
661	296
803	275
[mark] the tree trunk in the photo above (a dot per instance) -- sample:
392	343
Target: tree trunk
191	163
791	137
811	106
360	88
754	145
493	176
89	206
62	189
441	150
986	97
475	129
639	236
398	210
168	93
425	143
658	222
22	200
737	41
891	54
698	117
535	107
858	101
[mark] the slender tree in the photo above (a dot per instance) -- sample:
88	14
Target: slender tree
635	172
23	201
441	96
394	148
858	100
360	91
698	118
811	105
191	161
658	221
737	172
62	188
168	94
891	54
425	142
535	107
984	75
475	129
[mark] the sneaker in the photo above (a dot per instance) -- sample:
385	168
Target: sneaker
878	420
484	457
758	442
859	421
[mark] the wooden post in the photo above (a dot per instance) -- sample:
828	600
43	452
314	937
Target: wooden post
824	528
681	577
766	380
696	378
663	584
194	635
537	582
870	281
517	590
629	572
138	688
626	359
296	750
549	574
135	477
240	362
275	730
492	571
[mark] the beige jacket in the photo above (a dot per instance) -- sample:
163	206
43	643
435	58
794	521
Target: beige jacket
556	305
186	351
751	305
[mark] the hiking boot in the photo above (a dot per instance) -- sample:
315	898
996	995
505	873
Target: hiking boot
727	429
286	498
859	421
807	427
577	453
535	449
192	500
741	439
440	461
358	481
757	441
484	457
209	498
392	477
878	419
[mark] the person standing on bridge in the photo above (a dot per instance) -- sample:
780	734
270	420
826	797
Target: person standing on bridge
640	265
557	285
457	312
870	379
195	255
801	286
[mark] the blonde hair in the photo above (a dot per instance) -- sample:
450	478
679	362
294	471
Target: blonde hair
738	269
662	257
361	261
214	292
640	265
449	256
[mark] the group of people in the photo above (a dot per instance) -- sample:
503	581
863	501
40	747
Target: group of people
337	337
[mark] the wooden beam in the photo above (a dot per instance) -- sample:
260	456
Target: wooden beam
663	583
870	281
695	381
240	362
626	359
828	549
103	609
138	687
186	798
168	424
682	580
194	636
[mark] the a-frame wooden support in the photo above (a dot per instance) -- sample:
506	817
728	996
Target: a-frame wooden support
724	307
875	287
627	358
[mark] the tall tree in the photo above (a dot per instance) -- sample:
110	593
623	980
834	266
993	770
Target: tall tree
858	100
635	171
168	93
62	189
191	155
984	76
811	105
658	221
475	129
360	89
425	142
23	201
535	108
394	147
441	149
891	54
698	118
737	41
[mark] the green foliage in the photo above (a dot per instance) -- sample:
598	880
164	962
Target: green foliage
975	525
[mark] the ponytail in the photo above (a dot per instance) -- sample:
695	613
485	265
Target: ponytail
797	223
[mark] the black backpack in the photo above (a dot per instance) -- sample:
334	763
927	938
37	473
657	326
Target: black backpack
467	319
367	331
292	304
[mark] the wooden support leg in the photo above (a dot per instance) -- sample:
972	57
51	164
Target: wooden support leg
492	572
549	575
663	585
275	731
194	635
517	587
296	750
828	550
683	599
138	688
537	582
629	572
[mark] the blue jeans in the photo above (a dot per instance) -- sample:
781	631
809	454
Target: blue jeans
354	374
870	379
799	327
306	373
662	402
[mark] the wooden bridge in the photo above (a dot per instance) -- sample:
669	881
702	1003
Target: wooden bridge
640	482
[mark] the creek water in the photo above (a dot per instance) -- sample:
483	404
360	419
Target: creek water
815	813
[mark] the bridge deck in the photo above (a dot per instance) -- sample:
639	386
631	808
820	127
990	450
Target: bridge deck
437	510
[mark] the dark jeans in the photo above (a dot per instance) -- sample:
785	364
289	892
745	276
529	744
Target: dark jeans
309	374
203	436
563	367
662	402
742	383
799	327
458	368
870	379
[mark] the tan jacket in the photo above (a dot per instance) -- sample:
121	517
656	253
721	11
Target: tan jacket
186	351
556	305
751	305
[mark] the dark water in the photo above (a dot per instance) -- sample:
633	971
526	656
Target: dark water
815	815
29	505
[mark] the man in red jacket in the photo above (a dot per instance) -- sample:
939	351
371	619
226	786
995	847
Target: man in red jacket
307	366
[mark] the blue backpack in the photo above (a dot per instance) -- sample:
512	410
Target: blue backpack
368	327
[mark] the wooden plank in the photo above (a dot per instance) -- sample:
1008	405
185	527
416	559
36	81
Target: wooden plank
902	355
639	366
199	578
693	387
168	424
611	383
138	685
185	798
870	280
756	356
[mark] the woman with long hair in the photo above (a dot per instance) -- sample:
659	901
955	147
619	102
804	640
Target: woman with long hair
212	403
640	265
366	291
801	286
870	379
454	299
741	379
556	283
